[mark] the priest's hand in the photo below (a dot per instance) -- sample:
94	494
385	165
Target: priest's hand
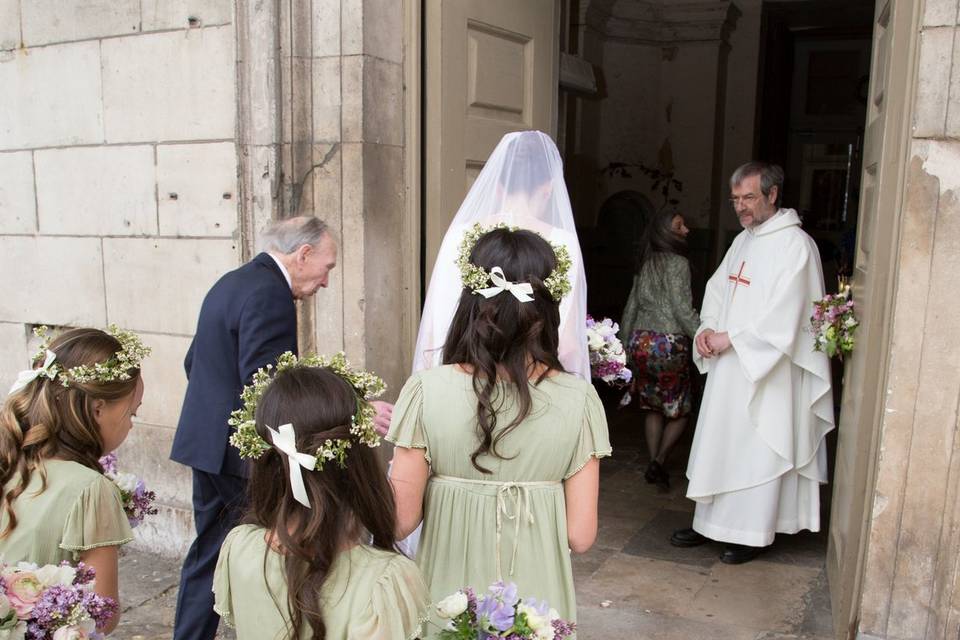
718	342
381	422
702	344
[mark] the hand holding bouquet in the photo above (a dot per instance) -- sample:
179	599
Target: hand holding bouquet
52	602
500	615
608	360
834	323
137	501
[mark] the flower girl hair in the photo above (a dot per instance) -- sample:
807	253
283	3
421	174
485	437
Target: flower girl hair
46	419
501	337
349	504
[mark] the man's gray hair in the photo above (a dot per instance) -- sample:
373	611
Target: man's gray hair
771	176
288	235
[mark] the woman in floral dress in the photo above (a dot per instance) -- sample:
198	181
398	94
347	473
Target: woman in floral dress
657	327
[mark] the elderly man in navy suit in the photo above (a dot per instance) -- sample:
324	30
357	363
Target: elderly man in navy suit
247	319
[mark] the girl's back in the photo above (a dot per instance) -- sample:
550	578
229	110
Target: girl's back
368	593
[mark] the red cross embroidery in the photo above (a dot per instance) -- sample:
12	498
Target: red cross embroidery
738	279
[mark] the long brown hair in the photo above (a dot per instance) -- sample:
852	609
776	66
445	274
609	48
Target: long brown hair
47	420
345	503
501	338
659	239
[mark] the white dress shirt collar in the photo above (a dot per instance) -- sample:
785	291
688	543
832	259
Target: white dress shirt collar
283	270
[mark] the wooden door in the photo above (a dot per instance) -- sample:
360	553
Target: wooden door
491	67
887	133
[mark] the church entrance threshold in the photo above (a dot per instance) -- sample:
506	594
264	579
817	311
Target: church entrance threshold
634	584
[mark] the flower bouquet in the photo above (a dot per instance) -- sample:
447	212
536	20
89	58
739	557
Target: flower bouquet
137	501
834	323
500	615
608	360
52	602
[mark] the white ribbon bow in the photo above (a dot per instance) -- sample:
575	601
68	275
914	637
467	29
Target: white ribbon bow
285	441
522	291
26	377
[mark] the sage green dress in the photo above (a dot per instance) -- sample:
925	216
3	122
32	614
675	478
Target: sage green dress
79	510
511	523
369	594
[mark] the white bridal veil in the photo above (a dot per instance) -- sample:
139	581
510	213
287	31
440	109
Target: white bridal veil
521	185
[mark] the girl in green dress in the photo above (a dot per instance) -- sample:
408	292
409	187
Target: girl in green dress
497	450
315	556
75	406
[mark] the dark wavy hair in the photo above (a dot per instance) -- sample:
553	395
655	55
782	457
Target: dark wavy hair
658	238
501	338
347	504
46	420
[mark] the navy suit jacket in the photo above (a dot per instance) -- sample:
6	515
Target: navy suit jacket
247	319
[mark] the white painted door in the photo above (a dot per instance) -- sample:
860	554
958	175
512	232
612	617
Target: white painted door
491	67
864	376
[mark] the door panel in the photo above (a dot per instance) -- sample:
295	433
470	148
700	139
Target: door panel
491	68
864	375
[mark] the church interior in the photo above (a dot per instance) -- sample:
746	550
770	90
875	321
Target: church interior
678	96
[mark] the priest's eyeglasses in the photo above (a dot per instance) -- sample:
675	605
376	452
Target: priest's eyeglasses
747	199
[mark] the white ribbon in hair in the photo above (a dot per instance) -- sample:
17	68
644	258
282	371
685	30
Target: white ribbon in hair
26	377
522	291
285	441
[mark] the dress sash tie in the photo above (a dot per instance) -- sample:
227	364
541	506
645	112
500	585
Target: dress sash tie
518	496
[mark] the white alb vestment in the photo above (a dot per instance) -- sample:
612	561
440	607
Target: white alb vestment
758	455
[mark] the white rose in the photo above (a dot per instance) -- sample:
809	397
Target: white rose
595	341
51	575
19	632
544	633
534	620
125	481
453	605
71	633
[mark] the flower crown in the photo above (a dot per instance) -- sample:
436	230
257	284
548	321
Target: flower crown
116	368
476	278
365	384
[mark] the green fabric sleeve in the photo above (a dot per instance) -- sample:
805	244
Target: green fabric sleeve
406	426
97	519
399	605
594	436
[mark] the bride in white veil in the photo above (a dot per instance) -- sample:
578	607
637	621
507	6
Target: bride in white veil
521	185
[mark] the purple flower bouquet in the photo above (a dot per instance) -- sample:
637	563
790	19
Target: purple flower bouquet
608	360
52	602
834	323
500	615
137	501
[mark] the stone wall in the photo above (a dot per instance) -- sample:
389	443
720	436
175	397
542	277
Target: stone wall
913	556
119	193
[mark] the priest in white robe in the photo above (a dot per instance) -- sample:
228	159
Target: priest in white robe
758	455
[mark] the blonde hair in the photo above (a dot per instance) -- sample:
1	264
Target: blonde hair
47	420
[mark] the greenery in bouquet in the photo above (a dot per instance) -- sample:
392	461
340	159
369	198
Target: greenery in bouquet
500	614
137	500
608	360
834	323
52	602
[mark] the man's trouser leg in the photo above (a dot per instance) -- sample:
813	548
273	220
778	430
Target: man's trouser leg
218	502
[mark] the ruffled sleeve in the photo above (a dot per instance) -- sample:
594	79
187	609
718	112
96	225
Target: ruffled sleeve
97	519
406	426
399	605
594	438
222	595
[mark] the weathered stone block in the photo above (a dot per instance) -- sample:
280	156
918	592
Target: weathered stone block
953	107
933	83
180	14
170	86
164	379
52	281
14	354
18	207
326	100
10	24
96	191
197	189
938	13
326	180
382	102
352	253
49	21
147	450
374	28
352	98
49	103
326	28
157	285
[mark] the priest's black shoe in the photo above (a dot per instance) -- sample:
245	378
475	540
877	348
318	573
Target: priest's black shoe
687	538
739	553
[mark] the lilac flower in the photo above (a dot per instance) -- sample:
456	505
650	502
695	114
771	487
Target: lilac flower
562	629
109	463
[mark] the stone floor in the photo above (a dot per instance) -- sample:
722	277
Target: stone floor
632	584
